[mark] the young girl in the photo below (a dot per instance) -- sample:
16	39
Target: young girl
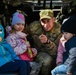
9	61
61	50
18	39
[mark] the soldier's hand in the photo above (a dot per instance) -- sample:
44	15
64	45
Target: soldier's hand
43	38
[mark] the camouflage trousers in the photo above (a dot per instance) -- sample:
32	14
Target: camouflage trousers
35	68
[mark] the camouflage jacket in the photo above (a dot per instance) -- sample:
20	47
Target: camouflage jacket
54	35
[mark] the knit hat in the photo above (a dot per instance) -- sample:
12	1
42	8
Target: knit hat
18	18
47	13
69	25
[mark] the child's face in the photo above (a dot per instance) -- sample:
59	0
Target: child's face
67	35
19	27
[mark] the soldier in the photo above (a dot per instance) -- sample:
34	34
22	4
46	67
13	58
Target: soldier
46	35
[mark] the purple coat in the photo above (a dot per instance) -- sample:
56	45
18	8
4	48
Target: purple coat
61	50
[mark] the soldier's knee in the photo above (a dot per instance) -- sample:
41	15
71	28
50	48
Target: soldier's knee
44	58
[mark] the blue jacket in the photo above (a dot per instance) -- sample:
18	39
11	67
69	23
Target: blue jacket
6	53
70	47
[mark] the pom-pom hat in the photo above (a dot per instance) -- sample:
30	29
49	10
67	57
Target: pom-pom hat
18	18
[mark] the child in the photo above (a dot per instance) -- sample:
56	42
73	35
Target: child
9	62
61	50
69	32
18	39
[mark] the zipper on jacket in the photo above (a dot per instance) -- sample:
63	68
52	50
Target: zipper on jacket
4	53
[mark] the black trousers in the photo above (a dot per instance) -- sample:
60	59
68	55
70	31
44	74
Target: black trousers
20	66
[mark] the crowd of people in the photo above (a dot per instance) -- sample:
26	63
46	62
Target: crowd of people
44	47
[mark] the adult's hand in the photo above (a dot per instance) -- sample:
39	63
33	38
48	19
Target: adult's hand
43	38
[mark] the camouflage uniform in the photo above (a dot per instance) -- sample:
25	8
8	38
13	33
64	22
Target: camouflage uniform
46	52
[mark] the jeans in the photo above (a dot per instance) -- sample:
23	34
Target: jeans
61	69
20	66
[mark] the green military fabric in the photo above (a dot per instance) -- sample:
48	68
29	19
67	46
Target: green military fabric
53	35
46	61
48	51
74	2
67	1
46	14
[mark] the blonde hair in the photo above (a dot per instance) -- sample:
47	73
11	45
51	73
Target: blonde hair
12	30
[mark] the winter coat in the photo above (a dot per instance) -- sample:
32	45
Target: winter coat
70	54
6	53
18	42
61	50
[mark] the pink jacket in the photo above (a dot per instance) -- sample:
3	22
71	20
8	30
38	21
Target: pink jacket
18	42
61	50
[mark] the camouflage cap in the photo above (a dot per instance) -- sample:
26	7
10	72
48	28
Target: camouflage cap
47	13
